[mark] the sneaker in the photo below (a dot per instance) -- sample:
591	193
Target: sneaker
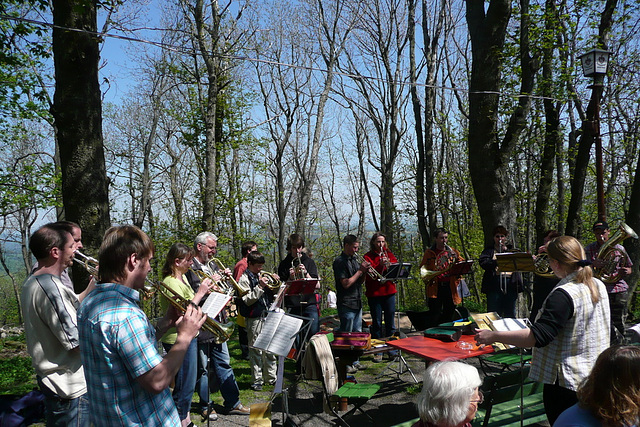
256	387
210	415
240	410
351	369
377	358
359	366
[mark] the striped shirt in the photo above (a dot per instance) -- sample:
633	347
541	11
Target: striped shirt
118	345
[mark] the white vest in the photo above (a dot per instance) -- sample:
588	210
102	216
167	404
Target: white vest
571	355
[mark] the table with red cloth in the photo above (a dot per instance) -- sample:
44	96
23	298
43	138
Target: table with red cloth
433	350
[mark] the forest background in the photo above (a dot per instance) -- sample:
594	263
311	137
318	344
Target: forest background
255	119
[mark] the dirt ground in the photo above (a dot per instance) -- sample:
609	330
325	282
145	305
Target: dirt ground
392	404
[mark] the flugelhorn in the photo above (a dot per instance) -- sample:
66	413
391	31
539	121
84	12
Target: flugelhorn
372	272
221	331
229	280
609	254
296	266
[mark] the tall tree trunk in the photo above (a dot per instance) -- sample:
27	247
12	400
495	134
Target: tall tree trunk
77	112
488	157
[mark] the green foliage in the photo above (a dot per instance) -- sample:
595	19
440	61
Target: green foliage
16	376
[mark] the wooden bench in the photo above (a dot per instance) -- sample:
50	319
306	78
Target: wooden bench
508	397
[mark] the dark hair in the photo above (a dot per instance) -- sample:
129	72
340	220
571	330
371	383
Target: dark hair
118	245
47	237
255	257
295	240
612	389
349	239
569	253
176	251
552	234
373	239
500	230
247	247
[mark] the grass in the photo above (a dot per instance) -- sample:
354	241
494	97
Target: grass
17	377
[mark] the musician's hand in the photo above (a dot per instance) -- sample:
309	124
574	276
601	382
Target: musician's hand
542	249
190	323
263	282
365	266
216	277
484	336
624	271
204	288
227	272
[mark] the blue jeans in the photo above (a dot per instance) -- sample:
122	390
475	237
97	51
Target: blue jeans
64	412
501	303
223	378
350	319
382	305
185	379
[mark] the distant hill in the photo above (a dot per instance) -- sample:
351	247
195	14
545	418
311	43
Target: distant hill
12	256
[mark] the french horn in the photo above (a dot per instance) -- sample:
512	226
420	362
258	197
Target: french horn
443	263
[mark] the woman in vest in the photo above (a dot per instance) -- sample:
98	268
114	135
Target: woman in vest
570	330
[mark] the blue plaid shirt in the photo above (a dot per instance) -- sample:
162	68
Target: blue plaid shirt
118	344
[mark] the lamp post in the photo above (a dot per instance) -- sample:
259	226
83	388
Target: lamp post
594	64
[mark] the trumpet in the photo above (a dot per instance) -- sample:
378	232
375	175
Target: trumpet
229	281
221	331
224	289
372	272
296	266
273	283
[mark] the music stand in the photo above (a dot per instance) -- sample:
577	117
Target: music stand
515	261
460	268
398	272
301	286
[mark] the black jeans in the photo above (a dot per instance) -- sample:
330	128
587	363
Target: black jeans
556	400
618	307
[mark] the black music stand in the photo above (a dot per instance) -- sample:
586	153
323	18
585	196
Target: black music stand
515	261
398	272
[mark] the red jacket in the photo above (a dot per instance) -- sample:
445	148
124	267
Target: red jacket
375	288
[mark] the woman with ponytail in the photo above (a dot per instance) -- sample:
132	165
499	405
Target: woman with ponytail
569	332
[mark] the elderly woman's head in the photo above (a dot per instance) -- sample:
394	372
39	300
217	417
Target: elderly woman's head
449	394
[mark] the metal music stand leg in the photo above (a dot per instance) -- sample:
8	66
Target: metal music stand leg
402	362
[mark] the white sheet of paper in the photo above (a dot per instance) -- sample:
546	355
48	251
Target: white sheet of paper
215	303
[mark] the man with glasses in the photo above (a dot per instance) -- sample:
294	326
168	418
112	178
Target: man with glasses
210	353
618	291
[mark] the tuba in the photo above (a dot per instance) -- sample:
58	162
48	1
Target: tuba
221	331
609	254
444	261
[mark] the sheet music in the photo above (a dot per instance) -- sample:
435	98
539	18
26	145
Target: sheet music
215	303
509	324
278	333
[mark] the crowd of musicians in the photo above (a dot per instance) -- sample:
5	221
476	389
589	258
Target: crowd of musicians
98	361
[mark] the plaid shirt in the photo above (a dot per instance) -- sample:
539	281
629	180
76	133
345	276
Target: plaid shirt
118	345
622	259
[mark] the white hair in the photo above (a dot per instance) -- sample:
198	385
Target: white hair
446	393
203	237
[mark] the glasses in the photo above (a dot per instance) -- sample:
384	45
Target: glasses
211	248
480	398
499	236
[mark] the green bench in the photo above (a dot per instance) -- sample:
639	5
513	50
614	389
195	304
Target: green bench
508	397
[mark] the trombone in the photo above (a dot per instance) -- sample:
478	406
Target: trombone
89	263
221	331
373	273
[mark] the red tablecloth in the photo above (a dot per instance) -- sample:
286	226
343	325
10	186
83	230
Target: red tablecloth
433	349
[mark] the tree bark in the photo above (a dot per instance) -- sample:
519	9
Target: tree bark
77	112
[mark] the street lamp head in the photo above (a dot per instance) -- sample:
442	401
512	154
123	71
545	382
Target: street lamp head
595	62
